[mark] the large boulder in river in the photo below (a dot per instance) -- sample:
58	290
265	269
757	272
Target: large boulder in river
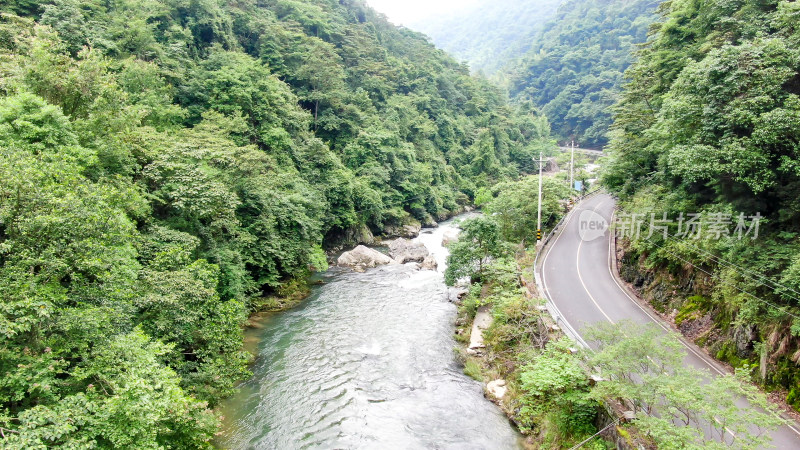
429	263
449	237
429	222
361	258
404	250
408	230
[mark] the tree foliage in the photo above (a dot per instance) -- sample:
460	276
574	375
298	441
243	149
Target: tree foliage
163	164
479	243
708	124
574	69
677	406
515	206
491	33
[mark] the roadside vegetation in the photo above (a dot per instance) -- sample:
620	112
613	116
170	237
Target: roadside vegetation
709	124
559	394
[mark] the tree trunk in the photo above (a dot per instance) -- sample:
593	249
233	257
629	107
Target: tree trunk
316	114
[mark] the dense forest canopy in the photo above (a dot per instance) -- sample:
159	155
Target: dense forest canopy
710	124
490	34
567	57
166	163
574	69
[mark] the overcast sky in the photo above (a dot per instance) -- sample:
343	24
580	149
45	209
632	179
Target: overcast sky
407	12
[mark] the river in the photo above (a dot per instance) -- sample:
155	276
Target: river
367	361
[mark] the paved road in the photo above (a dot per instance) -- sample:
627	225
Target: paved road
576	276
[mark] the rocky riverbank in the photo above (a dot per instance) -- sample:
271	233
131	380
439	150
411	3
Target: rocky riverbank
502	326
372	355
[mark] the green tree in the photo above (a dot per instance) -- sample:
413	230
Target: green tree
574	69
478	243
676	405
556	387
708	124
515	206
165	164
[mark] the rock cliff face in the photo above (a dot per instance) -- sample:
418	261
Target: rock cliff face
680	296
410	230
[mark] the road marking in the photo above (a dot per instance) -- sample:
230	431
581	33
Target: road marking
546	291
657	322
578	269
700	356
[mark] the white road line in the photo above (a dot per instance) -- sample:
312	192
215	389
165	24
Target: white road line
578	269
699	355
580	245
657	322
594	210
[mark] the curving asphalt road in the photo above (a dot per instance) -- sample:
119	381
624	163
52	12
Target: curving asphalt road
576	276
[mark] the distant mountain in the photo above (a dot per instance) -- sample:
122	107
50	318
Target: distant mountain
490	34
566	56
574	68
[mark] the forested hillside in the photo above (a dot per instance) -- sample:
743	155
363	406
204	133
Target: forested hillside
710	124
567	57
492	33
167	163
573	70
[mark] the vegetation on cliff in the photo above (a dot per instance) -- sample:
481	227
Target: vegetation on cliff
490	34
574	70
708	125
560	394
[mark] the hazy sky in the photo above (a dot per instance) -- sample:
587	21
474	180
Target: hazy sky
406	12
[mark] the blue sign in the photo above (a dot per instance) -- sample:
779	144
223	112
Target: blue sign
579	186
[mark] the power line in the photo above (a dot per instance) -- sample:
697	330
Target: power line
779	308
730	264
744	272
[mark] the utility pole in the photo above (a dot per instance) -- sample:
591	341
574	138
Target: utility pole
572	167
539	217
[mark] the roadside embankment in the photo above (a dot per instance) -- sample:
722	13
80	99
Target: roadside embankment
518	343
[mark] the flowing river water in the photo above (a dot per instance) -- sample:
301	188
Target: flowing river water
366	361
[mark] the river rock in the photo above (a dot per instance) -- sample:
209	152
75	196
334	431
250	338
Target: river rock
404	250
410	230
429	263
449	237
429	222
362	258
456	294
497	389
